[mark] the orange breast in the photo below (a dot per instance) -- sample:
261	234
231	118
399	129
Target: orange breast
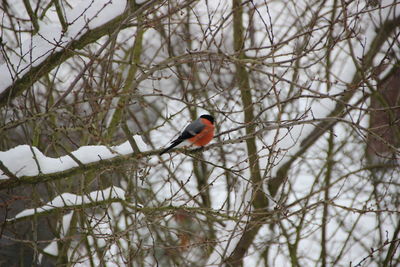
205	136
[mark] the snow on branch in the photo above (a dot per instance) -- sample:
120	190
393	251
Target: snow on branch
51	38
27	164
52	44
69	201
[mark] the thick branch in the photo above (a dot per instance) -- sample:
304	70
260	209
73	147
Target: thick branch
98	165
259	200
56	58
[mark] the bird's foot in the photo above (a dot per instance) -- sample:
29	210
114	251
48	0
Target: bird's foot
200	149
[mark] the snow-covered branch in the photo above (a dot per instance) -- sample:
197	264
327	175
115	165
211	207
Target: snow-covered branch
29	165
51	45
67	201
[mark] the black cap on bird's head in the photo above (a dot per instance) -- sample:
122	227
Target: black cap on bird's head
208	117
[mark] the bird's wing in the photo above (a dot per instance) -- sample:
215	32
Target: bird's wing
192	129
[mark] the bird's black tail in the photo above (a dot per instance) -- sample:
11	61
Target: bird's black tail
174	144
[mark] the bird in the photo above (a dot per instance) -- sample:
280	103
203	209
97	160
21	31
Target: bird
199	133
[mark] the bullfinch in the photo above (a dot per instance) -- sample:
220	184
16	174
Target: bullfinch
199	133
